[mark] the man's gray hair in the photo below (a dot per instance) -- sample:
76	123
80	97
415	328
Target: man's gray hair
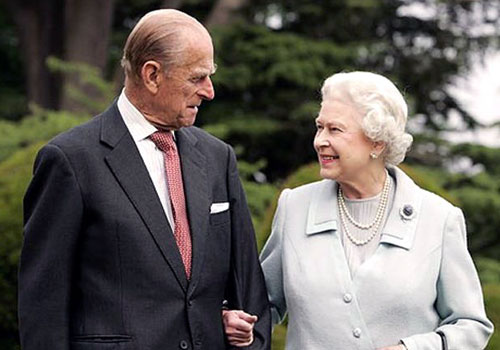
383	109
160	36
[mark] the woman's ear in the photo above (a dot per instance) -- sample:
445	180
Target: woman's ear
378	148
151	77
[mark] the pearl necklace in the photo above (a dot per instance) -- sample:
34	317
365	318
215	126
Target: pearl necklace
344	214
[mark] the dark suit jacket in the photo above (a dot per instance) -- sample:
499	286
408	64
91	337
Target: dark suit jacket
100	268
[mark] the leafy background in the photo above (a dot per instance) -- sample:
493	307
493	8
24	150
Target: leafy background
59	64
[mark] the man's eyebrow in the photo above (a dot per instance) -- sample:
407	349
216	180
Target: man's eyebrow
214	68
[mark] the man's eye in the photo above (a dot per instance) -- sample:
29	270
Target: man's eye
197	79
319	127
335	129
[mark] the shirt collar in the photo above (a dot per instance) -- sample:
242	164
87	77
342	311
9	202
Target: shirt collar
136	123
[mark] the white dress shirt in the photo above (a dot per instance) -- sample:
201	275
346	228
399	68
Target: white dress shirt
141	129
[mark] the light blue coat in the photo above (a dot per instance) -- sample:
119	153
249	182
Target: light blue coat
421	279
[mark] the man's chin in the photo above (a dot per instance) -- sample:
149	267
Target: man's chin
187	121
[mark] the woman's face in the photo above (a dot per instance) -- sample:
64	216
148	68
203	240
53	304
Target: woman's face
342	147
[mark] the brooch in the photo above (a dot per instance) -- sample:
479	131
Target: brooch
407	212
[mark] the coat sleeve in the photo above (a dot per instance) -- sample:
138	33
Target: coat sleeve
246	286
459	303
272	265
52	218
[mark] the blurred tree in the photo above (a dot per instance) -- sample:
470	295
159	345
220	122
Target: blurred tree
273	62
75	30
12	92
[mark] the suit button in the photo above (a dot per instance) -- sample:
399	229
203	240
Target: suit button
356	332
347	298
190	303
183	345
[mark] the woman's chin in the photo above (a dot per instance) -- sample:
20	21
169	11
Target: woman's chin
328	174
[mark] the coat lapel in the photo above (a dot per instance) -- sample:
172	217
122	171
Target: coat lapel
129	170
401	224
198	200
322	214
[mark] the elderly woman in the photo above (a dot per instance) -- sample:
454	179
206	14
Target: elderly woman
366	259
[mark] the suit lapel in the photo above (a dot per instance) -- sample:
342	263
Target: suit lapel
196	189
126	164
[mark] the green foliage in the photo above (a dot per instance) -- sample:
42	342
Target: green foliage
15	173
259	195
486	156
430	179
489	270
492	301
305	174
278	337
267	91
40	125
481	207
90	90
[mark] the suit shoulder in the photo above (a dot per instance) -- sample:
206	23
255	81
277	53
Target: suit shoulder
203	135
436	203
207	138
77	135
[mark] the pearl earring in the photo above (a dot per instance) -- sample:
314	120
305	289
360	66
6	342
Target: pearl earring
373	155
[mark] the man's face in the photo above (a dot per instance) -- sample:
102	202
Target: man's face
186	85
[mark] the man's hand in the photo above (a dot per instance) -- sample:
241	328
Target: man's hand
394	347
238	326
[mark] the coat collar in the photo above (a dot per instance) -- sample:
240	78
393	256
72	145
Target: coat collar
323	209
402	220
401	224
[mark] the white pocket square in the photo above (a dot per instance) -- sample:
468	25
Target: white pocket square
219	207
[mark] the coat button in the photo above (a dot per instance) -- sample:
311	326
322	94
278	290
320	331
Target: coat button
347	298
183	345
356	332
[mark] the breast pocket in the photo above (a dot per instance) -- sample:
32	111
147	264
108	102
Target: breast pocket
220	218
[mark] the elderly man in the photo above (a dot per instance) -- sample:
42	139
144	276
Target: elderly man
136	225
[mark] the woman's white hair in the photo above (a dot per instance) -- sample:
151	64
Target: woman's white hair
382	106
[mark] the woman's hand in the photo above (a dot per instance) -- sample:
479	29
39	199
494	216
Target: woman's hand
394	347
238	326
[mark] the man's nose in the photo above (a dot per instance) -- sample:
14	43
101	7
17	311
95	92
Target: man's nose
207	91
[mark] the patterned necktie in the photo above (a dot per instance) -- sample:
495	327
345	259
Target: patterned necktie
165	142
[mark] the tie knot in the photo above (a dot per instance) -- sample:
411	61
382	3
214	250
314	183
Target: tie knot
164	140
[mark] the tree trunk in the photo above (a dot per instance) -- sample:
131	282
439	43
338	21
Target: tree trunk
87	31
39	26
224	12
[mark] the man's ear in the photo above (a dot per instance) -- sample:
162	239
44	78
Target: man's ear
151	76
